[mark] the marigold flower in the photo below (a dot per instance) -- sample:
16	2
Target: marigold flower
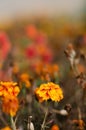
49	91
55	127
38	67
31	31
8	89
15	69
25	78
55	68
51	69
10	105
6	128
46	71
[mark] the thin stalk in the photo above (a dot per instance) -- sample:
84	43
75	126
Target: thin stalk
13	124
44	121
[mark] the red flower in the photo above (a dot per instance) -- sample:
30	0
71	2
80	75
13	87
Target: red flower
47	56
31	51
4	45
41	38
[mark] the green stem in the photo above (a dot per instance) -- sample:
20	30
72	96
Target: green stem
44	121
13	124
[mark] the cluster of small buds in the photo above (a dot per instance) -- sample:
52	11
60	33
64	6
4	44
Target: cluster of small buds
74	59
71	54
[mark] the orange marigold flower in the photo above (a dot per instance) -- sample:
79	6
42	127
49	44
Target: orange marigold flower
46	71
8	89
31	31
15	69
55	127
38	68
49	91
6	128
55	68
25	78
10	105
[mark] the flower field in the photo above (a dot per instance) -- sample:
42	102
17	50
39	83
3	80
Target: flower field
43	75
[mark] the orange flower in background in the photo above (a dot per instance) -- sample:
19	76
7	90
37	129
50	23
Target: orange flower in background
41	49
46	71
49	91
10	105
15	69
51	69
9	89
38	67
6	128
55	68
79	123
55	127
5	45
31	31
25	79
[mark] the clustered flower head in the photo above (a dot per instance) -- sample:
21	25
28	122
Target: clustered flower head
9	92
8	89
49	91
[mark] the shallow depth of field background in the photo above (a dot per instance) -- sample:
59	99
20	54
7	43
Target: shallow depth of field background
58	23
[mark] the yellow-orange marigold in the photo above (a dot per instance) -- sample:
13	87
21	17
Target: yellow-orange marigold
8	89
49	91
10	105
